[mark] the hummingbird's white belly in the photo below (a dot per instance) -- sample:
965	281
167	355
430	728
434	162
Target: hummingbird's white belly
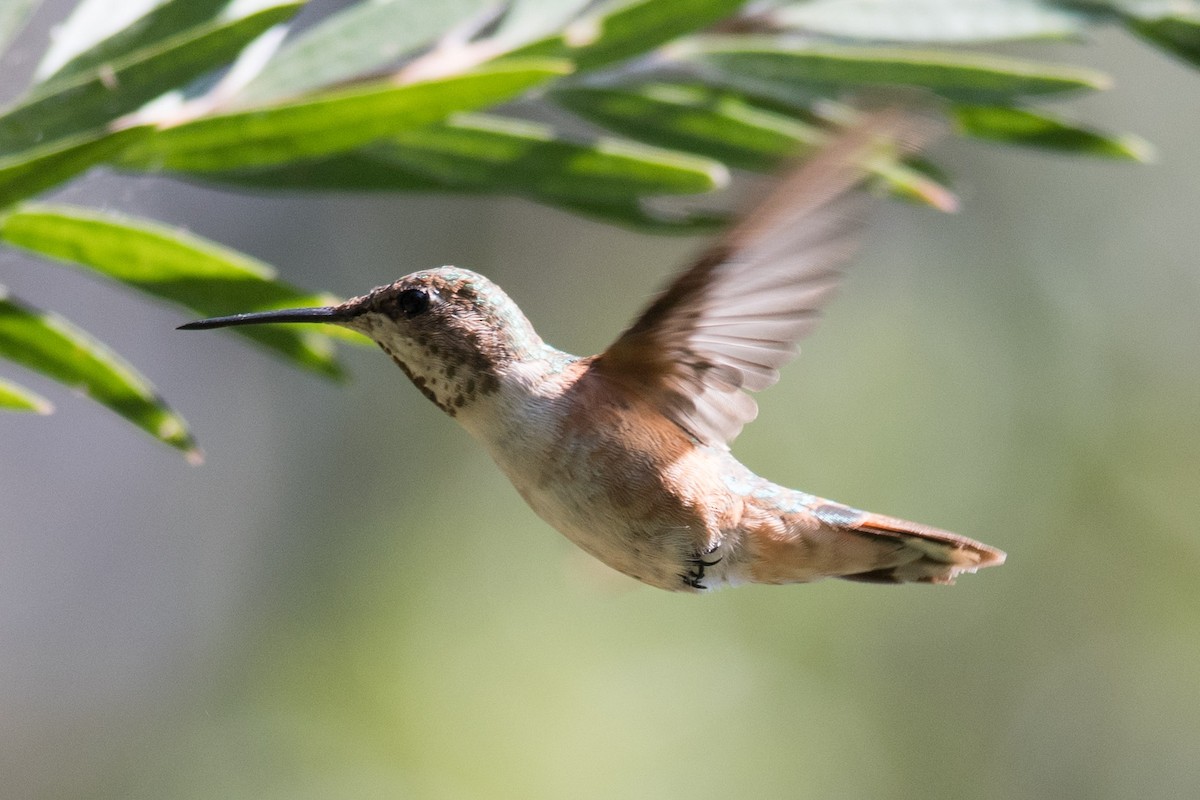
644	517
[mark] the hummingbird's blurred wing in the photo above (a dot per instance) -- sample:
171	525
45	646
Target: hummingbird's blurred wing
730	320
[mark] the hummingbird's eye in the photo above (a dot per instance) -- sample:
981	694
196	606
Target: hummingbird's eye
412	302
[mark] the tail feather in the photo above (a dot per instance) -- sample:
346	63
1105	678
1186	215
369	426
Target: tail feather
937	556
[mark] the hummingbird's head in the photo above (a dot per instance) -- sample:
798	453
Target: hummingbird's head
452	331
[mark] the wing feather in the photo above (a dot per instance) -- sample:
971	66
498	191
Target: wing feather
729	321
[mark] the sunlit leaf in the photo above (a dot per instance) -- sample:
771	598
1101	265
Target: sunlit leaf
616	31
171	265
97	96
50	345
166	20
726	126
17	398
762	61
951	21
357	40
1037	129
334	121
27	173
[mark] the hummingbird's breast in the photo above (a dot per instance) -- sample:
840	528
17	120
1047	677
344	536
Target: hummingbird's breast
616	477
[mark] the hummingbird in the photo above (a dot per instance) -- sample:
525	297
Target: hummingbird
627	452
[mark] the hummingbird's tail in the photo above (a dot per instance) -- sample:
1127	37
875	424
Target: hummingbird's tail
830	540
925	554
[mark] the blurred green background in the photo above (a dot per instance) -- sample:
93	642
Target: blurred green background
349	601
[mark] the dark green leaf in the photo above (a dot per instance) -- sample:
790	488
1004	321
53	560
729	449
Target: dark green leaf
495	154
619	31
32	171
97	96
726	126
163	22
48	344
18	398
763	61
335	121
950	21
1177	34
1037	129
168	264
359	39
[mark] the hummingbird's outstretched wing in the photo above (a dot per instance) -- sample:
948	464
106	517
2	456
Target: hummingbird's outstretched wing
731	319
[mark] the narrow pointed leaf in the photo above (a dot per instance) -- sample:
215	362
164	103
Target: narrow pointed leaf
494	154
1178	34
13	15
95	97
50	345
357	40
27	173
14	397
763	60
170	265
1037	129
167	20
621	30
726	126
335	121
923	21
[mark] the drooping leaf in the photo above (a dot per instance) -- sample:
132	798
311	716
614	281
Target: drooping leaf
164	21
95	97
180	268
357	40
50	345
14	397
27	173
727	126
1038	129
762	62
926	21
617	31
1178	34
494	154
478	153
721	124
332	122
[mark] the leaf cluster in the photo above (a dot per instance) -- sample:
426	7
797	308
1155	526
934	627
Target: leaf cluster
595	107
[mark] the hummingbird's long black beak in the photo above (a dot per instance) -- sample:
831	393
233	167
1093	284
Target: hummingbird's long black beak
326	314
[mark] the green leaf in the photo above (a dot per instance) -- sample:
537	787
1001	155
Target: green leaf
620	30
357	40
951	21
48	344
170	265
334	121
13	15
494	154
32	171
603	178
18	398
1177	34
1037	129
720	124
728	127
96	96
148	30
759	62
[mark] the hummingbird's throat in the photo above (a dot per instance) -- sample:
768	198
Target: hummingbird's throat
450	385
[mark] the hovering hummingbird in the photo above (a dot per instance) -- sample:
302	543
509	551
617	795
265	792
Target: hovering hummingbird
627	452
